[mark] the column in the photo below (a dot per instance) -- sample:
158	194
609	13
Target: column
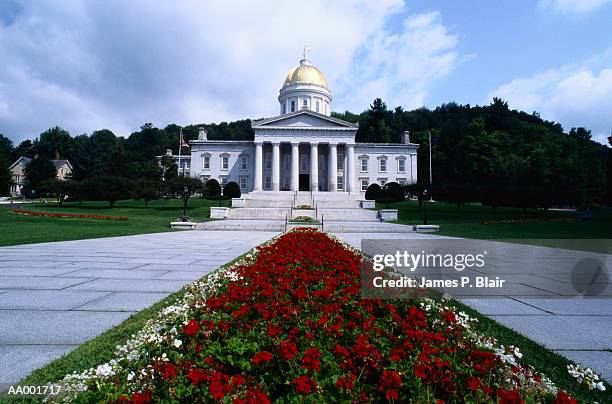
258	166
351	167
314	167
275	166
333	168
295	169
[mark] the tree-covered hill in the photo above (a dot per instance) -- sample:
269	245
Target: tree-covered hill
492	148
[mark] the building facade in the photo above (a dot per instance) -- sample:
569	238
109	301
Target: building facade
63	168
303	148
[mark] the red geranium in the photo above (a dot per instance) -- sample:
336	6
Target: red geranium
311	359
564	398
304	384
288	350
169	371
263	356
142	397
191	328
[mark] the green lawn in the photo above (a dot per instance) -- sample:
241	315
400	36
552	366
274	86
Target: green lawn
17	229
542	225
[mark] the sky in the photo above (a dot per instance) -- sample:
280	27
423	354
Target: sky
87	65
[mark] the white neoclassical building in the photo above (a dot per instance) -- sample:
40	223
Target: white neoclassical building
304	148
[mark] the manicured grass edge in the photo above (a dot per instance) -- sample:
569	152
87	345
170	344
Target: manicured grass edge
545	361
99	350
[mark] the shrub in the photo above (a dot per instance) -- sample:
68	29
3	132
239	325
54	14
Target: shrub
393	192
231	190
212	189
373	192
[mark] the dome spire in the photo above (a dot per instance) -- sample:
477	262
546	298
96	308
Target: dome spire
306	52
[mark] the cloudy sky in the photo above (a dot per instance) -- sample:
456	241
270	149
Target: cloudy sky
116	64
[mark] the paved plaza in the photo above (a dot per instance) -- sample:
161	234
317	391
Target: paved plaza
55	296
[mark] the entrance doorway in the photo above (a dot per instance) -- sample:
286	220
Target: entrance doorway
304	182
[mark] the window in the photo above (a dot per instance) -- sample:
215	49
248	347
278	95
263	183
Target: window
244	162
292	106
206	163
382	165
364	185
340	183
284	108
268	182
268	161
243	183
317	106
401	165
305	103
225	162
364	165
340	162
223	181
401	181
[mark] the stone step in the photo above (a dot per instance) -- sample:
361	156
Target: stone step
366	227
279	226
259	213
347	214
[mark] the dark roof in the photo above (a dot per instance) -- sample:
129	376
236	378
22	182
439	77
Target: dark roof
59	163
56	163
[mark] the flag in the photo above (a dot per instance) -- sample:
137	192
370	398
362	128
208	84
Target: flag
182	142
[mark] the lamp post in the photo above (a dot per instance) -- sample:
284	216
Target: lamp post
185	194
425	206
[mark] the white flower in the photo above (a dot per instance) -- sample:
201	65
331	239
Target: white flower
130	376
599	386
104	370
517	353
178	343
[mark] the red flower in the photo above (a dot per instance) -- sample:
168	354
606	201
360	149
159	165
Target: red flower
288	350
473	383
304	384
169	371
263	356
191	328
564	398
509	397
253	397
388	383
346	382
311	359
195	376
238	380
219	386
420	371
141	397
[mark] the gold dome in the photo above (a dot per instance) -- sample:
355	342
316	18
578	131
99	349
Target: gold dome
306	73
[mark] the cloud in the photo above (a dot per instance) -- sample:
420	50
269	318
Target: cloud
400	67
86	65
572	6
573	95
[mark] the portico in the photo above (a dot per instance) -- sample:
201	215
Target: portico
303	166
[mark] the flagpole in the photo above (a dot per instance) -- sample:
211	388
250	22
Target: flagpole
430	172
182	169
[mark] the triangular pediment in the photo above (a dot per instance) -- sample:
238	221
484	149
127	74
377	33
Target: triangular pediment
303	119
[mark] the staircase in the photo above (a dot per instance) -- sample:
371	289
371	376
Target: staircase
335	212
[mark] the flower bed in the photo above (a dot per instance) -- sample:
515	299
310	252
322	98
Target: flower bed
66	215
287	323
302	219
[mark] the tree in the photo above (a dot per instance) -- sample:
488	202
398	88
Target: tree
170	168
54	141
211	189
146	189
107	188
185	187
60	188
6	178
231	190
24	149
373	192
38	173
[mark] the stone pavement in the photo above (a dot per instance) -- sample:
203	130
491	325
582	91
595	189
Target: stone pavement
55	296
577	328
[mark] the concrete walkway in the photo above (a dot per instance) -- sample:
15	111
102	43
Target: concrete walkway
577	328
55	296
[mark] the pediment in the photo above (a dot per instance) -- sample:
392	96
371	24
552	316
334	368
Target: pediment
303	119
